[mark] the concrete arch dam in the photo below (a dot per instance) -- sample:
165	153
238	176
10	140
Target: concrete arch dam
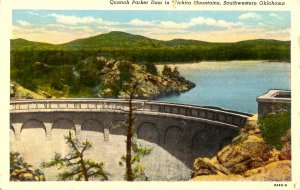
178	133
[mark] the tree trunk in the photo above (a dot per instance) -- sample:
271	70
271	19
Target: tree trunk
81	160
129	174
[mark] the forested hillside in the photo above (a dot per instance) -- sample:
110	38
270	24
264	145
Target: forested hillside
120	45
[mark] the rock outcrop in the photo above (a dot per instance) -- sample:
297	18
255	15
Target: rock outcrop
19	92
248	157
101	77
150	86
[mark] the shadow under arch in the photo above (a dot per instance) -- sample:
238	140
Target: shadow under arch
203	144
148	132
61	128
118	127
36	127
173	138
12	133
92	125
63	123
92	130
33	123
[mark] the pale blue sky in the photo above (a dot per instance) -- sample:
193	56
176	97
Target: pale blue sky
60	26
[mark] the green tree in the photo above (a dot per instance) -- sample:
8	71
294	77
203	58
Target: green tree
133	150
167	71
126	72
137	170
79	168
151	68
90	75
22	171
175	72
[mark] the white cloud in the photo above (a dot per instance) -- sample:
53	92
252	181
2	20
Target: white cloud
282	32
200	21
75	20
33	13
62	34
248	16
52	35
138	22
275	15
171	24
69	28
23	23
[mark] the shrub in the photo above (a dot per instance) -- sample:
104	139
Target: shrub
274	126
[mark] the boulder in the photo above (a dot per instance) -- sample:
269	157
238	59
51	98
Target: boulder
285	153
19	92
247	151
276	171
205	166
251	151
248	157
219	177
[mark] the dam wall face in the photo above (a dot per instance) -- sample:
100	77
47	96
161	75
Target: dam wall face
178	134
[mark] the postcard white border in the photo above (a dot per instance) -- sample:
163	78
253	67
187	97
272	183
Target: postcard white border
6	7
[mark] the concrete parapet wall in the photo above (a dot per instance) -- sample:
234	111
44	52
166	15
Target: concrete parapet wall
273	101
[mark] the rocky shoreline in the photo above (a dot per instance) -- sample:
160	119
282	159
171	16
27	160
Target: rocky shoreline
151	86
248	157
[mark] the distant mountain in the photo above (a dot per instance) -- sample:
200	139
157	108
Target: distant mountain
141	48
112	40
22	44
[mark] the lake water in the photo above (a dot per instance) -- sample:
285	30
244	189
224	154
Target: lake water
231	84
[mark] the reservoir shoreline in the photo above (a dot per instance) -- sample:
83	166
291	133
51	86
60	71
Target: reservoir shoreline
230	84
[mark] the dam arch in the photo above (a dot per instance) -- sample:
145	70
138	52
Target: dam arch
92	130
118	128
61	127
12	133
174	138
148	132
33	126
92	125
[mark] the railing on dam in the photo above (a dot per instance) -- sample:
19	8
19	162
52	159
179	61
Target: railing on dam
142	106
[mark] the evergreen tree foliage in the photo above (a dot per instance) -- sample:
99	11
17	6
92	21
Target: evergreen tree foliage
167	71
151	68
77	166
22	171
133	151
138	170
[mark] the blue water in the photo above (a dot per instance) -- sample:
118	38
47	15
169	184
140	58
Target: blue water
231	84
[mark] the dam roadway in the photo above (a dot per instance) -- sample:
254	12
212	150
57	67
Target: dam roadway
177	133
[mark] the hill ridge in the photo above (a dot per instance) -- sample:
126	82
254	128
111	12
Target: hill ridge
125	34
122	45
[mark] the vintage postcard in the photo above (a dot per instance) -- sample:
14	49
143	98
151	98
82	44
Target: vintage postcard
184	94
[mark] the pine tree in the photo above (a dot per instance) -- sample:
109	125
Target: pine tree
78	167
22	171
134	151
